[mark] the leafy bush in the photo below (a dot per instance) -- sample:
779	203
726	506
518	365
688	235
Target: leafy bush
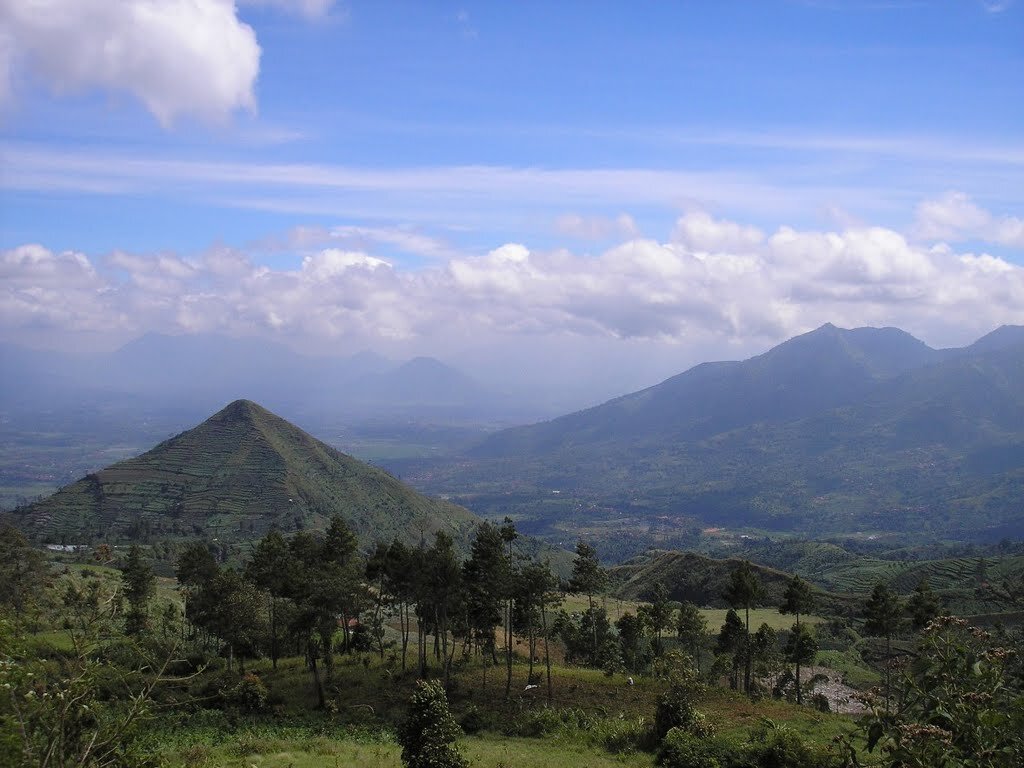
535	723
428	734
250	694
676	706
682	749
961	701
776	746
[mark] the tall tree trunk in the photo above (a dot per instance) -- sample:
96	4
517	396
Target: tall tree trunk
547	640
532	646
403	624
593	626
273	631
888	671
328	651
345	634
421	650
747	655
318	686
799	690
508	648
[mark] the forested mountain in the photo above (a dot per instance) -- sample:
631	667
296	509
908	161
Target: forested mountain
835	431
234	476
810	373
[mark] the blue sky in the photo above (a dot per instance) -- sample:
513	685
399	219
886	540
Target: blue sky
678	180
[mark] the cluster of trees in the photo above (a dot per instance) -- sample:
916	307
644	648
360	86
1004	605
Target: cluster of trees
636	642
297	594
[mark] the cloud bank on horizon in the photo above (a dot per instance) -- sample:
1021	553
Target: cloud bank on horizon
714	279
350	175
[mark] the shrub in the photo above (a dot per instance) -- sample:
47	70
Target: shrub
682	749
776	746
250	694
960	701
428	734
619	734
676	706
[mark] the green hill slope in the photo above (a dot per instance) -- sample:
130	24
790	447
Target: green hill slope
233	477
689	576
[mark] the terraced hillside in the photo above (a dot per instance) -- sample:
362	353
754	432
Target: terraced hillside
234	476
961	573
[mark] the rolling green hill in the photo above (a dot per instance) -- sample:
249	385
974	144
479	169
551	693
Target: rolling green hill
689	576
233	477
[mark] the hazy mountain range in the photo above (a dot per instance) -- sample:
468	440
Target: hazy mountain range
864	430
198	373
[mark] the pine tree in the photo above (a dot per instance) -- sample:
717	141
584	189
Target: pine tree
229	609
269	569
801	648
509	535
401	576
744	591
883	613
588	578
923	605
139	586
533	584
797	599
442	587
691	629
429	732
658	615
764	652
486	577
732	642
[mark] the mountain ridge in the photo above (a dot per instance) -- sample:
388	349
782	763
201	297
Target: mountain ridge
834	431
702	401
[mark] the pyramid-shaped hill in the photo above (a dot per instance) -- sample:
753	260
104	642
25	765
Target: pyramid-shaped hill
236	475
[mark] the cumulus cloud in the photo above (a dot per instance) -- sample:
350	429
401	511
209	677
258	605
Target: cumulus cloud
956	217
714	280
61	291
699	231
176	56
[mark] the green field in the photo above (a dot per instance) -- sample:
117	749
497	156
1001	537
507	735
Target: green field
247	751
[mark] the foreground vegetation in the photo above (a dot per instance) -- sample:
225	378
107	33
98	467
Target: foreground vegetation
311	653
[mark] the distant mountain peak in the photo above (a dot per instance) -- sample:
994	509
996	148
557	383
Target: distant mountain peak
1002	337
239	410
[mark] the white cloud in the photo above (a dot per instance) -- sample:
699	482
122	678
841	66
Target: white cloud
56	292
699	231
176	56
722	282
956	217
